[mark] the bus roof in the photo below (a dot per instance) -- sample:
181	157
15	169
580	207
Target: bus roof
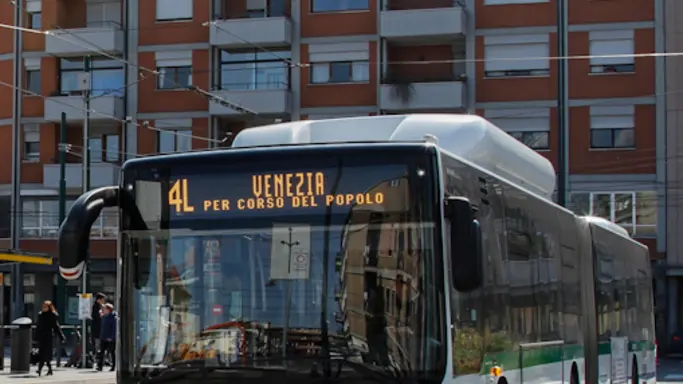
468	137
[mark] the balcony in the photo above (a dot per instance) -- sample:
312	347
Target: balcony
408	20
263	99
84	41
245	32
101	174
108	106
422	95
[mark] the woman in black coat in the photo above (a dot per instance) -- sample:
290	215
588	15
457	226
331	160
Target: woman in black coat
48	322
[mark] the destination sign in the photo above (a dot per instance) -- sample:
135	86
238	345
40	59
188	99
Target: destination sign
295	192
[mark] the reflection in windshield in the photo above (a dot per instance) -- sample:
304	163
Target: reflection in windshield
253	296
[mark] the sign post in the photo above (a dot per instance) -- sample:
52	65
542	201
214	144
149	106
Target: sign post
84	308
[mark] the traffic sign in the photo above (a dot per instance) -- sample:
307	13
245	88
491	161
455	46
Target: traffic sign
217	309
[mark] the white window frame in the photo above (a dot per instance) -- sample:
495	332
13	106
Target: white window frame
31	135
633	228
323	55
174	10
517	48
613	118
518	122
33	8
619	42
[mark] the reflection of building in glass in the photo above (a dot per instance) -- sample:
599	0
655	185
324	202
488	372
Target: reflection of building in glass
378	277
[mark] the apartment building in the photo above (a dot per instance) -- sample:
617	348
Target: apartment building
312	59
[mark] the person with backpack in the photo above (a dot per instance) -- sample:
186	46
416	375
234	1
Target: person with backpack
107	337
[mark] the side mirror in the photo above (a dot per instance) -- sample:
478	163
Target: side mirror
466	249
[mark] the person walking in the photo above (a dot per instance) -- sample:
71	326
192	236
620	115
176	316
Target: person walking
47	327
108	337
96	321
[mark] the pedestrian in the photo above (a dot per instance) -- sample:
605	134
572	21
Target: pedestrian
108	337
96	321
47	327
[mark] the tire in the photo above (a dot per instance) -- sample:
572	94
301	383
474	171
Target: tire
634	372
574	379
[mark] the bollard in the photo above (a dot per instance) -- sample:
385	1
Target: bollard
21	341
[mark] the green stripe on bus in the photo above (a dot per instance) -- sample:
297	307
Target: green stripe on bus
548	355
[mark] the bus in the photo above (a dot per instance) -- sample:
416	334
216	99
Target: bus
405	248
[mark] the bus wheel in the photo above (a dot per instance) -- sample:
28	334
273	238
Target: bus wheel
634	371
575	375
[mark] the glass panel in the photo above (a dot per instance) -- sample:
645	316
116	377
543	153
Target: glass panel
166	142
166	78
237	76
579	203
361	71
36	20
320	73
340	72
96	152
271	75
108	81
33	81
68	82
184	77
601	138
601	206
623	210
184	141
624	138
50	217
110	222
30	211
112	148
646	213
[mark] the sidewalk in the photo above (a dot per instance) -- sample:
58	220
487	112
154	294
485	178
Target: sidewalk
61	375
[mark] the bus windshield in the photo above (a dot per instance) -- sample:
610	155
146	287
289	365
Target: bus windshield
286	262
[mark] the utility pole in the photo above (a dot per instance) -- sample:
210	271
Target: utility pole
15	219
562	103
62	300
86	83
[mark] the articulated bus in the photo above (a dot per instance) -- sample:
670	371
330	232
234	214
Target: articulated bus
414	248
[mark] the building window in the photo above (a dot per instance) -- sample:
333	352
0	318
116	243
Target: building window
339	63
103	13
33	82
174	10
339	5
635	211
255	70
107	77
505	56
175	69
340	72
530	126
32	143
35	20
603	43
104	149
169	141
40	218
612	127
